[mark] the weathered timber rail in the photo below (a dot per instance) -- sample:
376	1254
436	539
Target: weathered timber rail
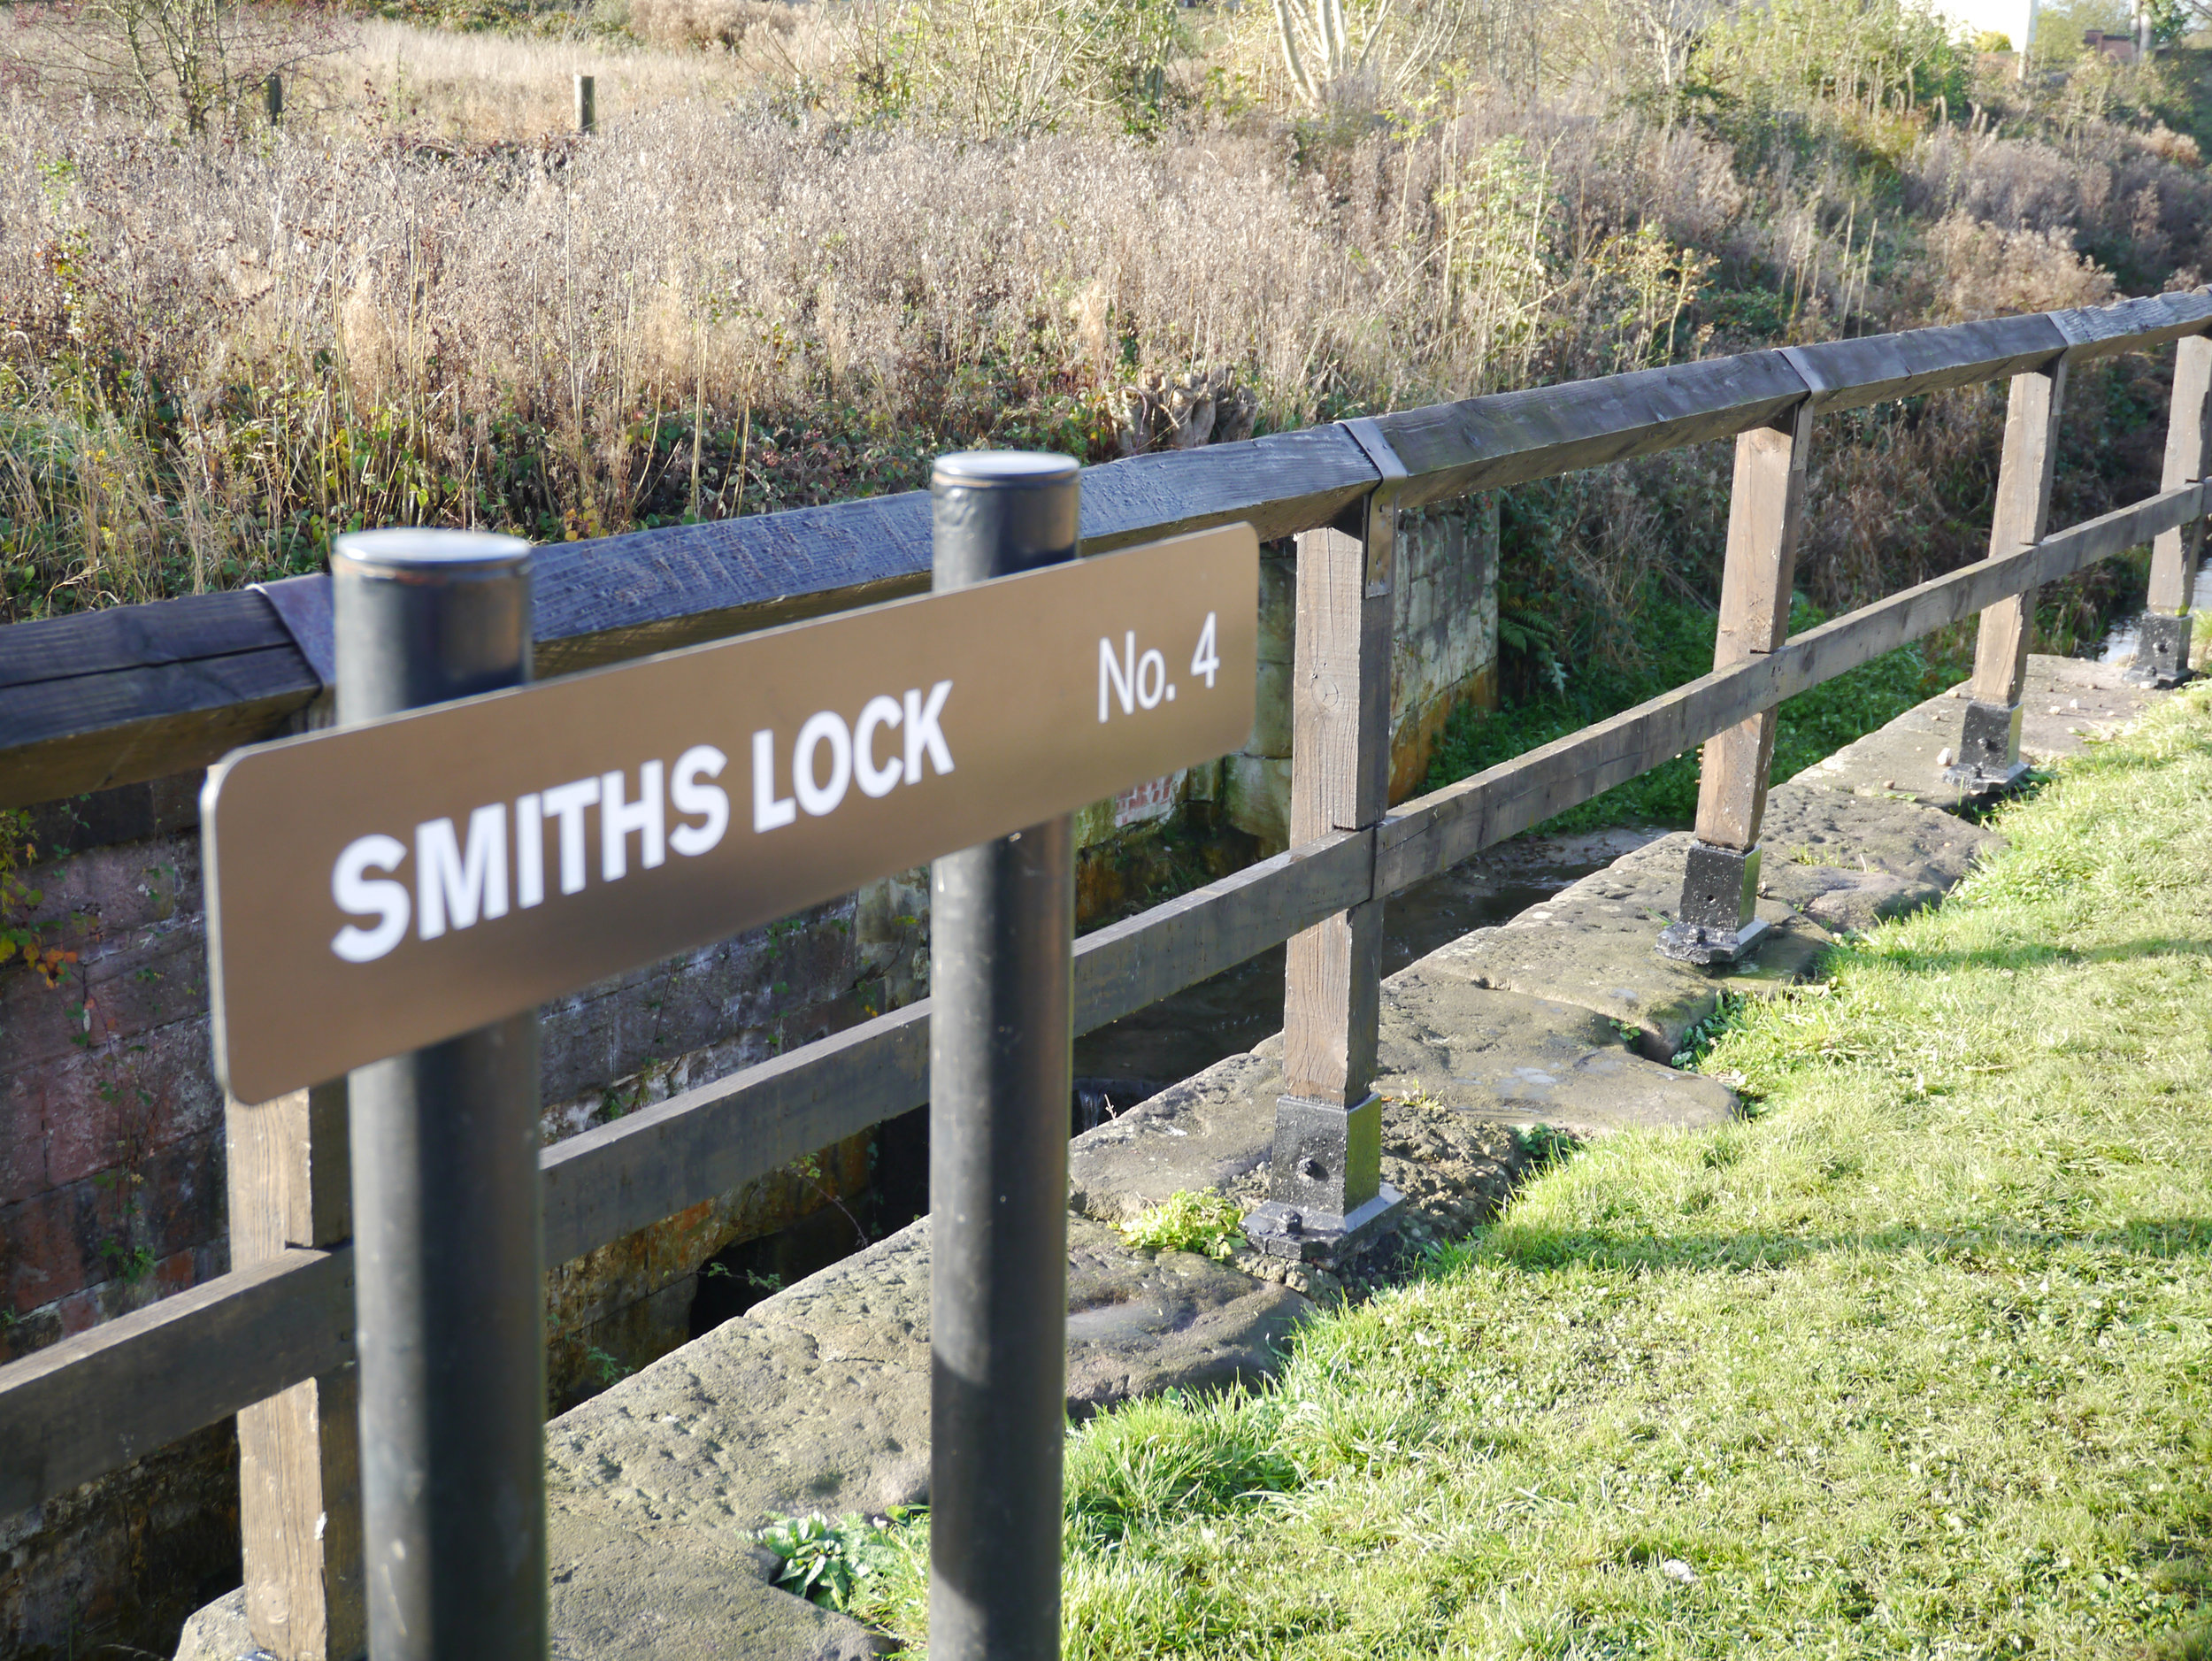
146	692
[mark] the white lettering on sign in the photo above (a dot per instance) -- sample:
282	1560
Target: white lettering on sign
692	795
460	880
923	735
358	896
827	757
467	887
874	781
825	726
616	822
529	853
567	803
457	884
1139	680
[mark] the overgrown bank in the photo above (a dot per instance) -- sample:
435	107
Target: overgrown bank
777	278
1912	1361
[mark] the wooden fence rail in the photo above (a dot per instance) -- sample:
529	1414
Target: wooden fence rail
144	692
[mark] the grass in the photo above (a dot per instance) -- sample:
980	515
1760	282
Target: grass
1914	1361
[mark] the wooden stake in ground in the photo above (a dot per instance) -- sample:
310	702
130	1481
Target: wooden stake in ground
2161	654
1325	1197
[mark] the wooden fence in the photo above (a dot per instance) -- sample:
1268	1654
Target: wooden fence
144	692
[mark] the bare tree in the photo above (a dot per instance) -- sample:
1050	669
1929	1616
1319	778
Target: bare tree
1668	29
200	60
1389	46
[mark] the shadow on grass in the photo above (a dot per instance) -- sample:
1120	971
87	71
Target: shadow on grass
2034	954
1540	1249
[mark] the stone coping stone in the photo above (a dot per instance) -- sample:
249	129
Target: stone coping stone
2065	704
1595	944
817	1400
1455	1058
1847	861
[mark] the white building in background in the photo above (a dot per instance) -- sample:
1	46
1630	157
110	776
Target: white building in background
2015	20
2018	21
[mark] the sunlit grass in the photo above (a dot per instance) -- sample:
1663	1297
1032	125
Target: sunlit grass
1913	1362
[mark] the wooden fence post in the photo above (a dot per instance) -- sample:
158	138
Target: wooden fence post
587	104
1989	740
299	1513
2161	656
1327	1196
1719	921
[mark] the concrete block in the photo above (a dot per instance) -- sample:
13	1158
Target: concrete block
1255	793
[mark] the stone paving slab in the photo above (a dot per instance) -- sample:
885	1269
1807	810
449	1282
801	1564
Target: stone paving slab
1495	1057
819	1400
1848	861
640	1594
2065	704
1595	945
1137	1322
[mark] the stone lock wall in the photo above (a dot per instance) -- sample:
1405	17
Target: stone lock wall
1445	654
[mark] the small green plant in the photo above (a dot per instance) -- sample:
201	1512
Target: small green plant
128	1264
824	1561
18	937
1209	1224
1628	1032
1806	854
609	1368
1543	1146
1702	1037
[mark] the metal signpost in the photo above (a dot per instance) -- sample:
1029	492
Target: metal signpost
1002	932
393	898
444	1141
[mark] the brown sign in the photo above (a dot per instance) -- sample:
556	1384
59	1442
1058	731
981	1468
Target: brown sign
378	887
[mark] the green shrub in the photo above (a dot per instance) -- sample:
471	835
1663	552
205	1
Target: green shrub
1208	1224
1871	54
1678	638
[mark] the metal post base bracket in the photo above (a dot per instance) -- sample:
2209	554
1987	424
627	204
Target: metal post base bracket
2162	651
1325	1237
1989	749
1327	1200
1720	922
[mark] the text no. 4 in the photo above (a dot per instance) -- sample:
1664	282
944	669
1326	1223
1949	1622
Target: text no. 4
1138	679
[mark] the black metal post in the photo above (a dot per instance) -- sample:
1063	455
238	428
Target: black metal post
447	1229
1002	944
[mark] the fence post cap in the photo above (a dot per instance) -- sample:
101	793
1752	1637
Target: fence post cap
1002	469
415	549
